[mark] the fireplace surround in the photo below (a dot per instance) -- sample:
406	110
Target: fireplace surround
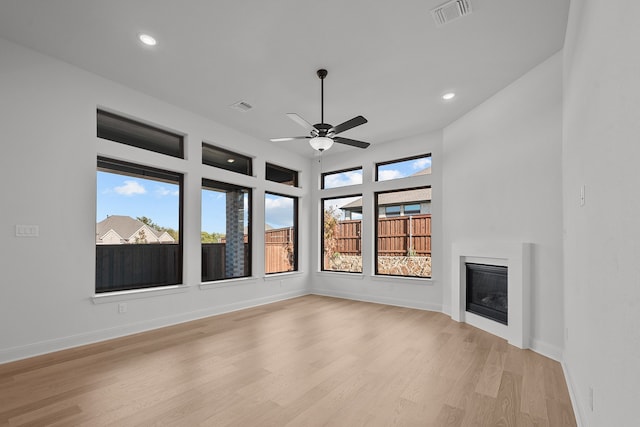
516	256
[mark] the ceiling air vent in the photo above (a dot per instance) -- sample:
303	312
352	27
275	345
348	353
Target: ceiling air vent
450	11
241	106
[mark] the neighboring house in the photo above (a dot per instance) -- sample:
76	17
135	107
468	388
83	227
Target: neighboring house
403	203
120	229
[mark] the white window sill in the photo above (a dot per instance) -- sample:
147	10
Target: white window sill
416	280
118	296
226	283
341	274
280	276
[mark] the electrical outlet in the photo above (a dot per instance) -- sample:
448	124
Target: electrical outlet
582	196
122	307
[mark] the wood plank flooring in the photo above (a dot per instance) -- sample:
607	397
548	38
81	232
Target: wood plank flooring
308	361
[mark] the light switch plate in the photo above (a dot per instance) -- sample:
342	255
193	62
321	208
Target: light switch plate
27	231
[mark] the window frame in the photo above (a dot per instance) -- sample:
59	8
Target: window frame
212	185
110	165
296	232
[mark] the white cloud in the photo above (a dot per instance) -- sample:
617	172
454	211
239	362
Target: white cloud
164	191
278	211
422	163
386	175
130	188
342	179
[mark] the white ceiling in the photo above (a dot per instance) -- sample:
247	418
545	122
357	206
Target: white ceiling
387	60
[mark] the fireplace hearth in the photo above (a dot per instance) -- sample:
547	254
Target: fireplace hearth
487	291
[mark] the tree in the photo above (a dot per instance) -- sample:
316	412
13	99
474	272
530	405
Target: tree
148	221
330	231
141	237
211	237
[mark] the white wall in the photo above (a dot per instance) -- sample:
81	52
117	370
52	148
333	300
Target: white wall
601	150
407	292
502	182
48	166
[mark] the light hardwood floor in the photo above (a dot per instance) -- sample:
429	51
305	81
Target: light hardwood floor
303	362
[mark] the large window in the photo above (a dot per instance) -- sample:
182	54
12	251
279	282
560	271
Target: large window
341	234
403	239
138	227
226	231
281	233
402	168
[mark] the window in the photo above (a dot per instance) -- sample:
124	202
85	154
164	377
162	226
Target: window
410	166
282	175
412	209
225	159
403	242
226	231
281	233
341	231
140	135
138	225
342	178
392	210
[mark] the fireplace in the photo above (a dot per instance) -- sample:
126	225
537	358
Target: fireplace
487	291
515	257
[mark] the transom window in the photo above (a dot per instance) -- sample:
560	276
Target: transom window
342	178
402	168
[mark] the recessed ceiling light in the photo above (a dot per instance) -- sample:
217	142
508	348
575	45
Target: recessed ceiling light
147	39
231	160
448	96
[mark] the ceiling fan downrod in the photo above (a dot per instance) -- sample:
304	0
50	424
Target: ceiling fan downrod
322	73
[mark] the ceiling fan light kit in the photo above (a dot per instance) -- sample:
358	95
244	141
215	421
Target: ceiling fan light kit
321	143
323	135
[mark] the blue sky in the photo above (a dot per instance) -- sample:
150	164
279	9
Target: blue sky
132	196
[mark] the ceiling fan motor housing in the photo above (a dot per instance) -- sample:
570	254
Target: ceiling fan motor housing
323	129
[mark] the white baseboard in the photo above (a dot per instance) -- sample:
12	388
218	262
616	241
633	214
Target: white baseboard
577	409
378	299
57	344
545	349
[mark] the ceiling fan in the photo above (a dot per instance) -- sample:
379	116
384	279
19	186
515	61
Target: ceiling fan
322	135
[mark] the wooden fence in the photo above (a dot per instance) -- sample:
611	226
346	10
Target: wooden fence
123	267
348	237
213	262
397	236
405	235
278	250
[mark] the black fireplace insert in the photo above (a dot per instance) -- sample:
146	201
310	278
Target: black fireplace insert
487	291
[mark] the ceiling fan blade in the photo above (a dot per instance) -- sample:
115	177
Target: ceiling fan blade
302	122
349	124
351	142
290	138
